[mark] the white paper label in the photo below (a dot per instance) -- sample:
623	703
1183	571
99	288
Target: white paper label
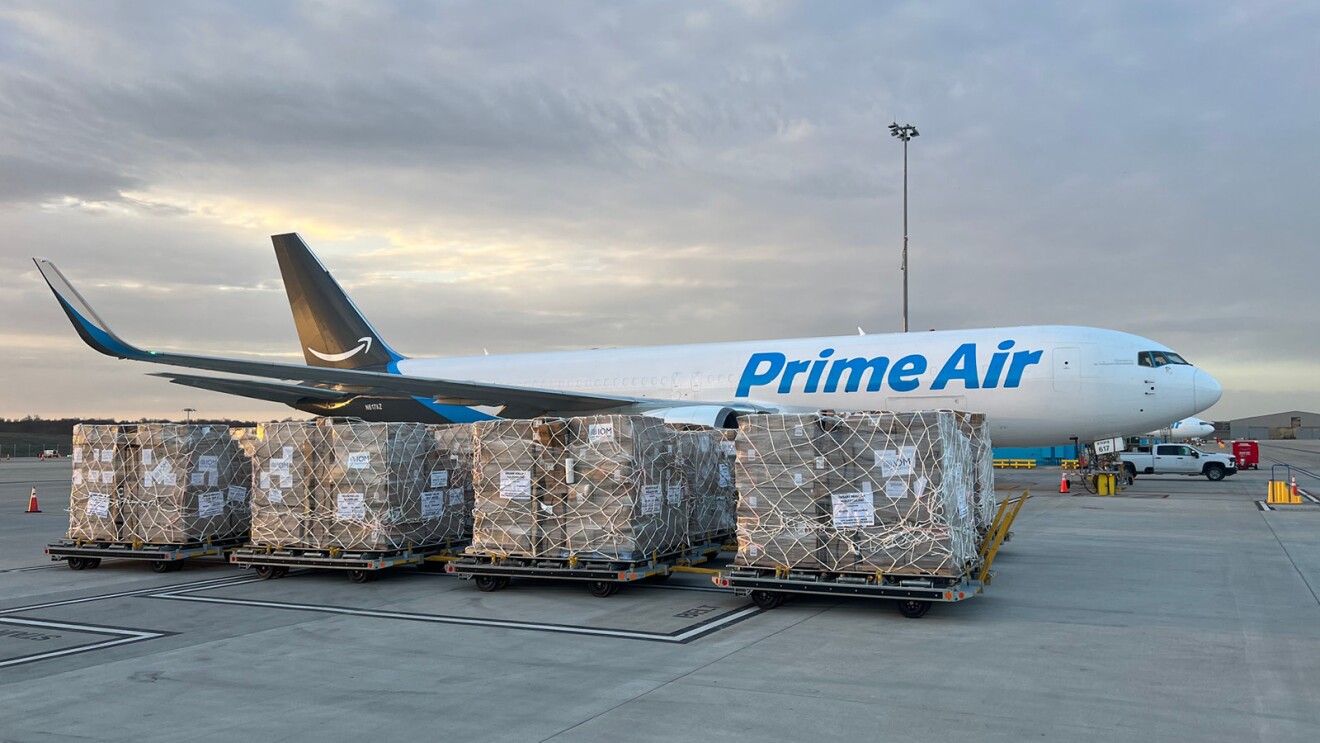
651	498
210	504
212	478
98	504
726	477
674	493
264	480
433	503
197	478
799	431
169	480
751	501
895	489
853	510
440	479
919	487
820	463
728	448
107	455
149	480
163	467
148	457
274	496
750	454
77	477
288	454
516	484
359	460
208	462
77	455
456	496
895	462
600	432
797	478
351	506
107	477
962	504
237	493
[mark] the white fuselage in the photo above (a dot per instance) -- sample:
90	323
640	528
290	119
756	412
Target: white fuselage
1038	385
1185	430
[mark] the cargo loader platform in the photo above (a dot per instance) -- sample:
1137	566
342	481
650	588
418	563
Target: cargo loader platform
769	587
163	557
604	576
275	562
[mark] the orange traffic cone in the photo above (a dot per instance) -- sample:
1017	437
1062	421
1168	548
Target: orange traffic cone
1293	488
1063	482
32	503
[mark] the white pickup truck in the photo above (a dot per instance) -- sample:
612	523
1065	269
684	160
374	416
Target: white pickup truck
1178	459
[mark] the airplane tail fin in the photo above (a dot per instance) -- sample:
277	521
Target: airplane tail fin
332	330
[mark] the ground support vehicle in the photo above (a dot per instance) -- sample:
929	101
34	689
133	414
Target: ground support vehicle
1178	459
163	558
361	565
1247	454
770	586
604	576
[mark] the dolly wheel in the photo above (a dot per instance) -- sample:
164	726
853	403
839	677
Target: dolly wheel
160	566
265	572
602	588
359	576
77	563
176	565
768	599
913	609
92	562
489	583
280	571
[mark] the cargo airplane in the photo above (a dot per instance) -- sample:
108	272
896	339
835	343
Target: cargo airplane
1038	385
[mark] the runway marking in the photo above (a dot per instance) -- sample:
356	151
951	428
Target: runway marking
211	583
682	636
119	635
1262	505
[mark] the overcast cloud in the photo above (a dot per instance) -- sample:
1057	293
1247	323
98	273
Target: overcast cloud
538	176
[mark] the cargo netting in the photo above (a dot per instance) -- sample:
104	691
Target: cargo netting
597	487
359	486
858	492
158	484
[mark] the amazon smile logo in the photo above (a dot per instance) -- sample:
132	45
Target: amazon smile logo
363	346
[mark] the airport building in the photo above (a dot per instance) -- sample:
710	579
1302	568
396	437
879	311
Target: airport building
1293	424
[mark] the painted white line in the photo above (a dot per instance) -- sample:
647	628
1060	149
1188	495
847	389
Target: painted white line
1308	496
1262	505
213	583
470	621
121	637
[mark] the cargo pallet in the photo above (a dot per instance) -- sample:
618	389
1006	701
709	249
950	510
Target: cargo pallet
164	558
604	576
275	562
769	587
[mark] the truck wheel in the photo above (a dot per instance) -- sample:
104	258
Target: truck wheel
359	576
913	609
160	566
1214	472
77	563
264	572
488	583
603	588
767	599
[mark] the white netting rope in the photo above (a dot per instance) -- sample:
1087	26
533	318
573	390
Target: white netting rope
158	484
858	492
598	487
359	486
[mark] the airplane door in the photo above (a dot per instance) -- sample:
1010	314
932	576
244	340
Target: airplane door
1067	375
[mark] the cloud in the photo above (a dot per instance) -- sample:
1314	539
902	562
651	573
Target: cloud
530	176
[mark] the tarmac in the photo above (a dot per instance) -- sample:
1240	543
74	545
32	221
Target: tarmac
1178	610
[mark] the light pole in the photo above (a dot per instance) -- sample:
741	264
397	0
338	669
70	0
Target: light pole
187	414
905	133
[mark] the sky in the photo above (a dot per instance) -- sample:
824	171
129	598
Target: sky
529	176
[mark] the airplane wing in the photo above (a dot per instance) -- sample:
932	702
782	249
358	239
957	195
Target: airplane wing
288	394
97	334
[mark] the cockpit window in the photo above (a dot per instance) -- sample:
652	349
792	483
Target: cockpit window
1159	358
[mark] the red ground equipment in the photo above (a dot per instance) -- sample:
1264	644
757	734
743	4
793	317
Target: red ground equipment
1247	453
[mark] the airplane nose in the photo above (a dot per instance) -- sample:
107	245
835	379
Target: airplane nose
1206	391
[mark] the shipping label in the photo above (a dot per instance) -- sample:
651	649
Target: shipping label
674	493
651	499
896	488
440	479
516	484
600	433
210	504
359	460
98	504
726	477
433	504
237	493
895	462
351	506
853	510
